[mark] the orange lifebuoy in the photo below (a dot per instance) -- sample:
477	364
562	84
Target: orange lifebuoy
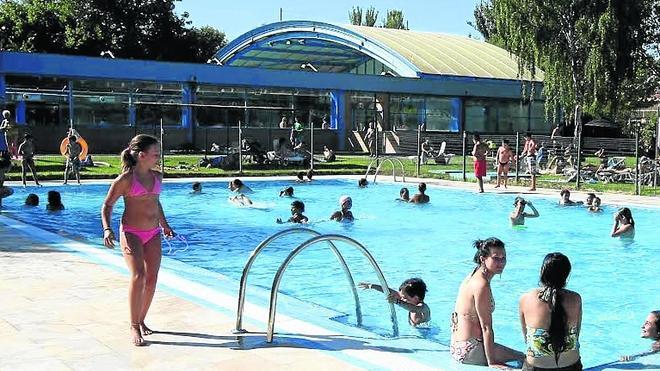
80	140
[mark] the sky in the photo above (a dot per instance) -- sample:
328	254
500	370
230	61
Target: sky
237	17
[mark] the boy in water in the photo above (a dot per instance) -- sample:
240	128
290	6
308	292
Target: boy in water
504	157
297	210
410	297
595	205
518	214
565	198
72	153
26	150
345	214
196	188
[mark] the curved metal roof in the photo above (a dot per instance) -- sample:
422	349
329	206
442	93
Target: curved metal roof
296	45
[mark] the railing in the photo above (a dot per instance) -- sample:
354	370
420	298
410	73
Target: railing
391	160
263	245
306	244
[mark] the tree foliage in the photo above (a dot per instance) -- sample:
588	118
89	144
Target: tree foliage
141	29
594	54
393	19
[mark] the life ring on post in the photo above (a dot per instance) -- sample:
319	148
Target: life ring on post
83	144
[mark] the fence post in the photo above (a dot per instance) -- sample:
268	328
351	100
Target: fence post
240	148
578	128
464	153
311	141
419	153
637	126
162	147
518	157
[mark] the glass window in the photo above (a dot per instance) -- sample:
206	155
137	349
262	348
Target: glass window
442	114
496	116
406	112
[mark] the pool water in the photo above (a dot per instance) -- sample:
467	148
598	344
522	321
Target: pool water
617	279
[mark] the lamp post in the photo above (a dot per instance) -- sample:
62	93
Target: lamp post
311	123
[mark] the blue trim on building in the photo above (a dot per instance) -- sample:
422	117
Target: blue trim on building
337	113
20	112
456	115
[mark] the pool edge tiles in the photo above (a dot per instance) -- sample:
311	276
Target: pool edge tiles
346	343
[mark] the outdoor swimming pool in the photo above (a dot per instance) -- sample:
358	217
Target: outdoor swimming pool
617	280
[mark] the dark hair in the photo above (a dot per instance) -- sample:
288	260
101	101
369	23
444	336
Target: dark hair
554	272
591	194
528	134
656	313
485	246
310	174
517	200
362	182
403	191
477	136
197	185
5	159
237	183
298	205
300	175
505	141
414	287
422	187
628	214
138	144
32	200
54	198
72	138
287	191
564	191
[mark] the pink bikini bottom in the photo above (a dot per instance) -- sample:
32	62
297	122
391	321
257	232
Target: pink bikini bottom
144	236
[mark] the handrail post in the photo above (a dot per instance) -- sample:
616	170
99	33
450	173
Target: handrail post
301	247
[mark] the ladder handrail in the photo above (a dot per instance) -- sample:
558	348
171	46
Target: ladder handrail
246	270
391	161
306	244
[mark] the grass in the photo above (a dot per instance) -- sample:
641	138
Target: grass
51	167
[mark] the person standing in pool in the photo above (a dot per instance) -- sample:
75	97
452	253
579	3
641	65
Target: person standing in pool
421	197
404	195
345	214
472	335
140	227
297	210
518	215
479	155
650	330
624	224
72	153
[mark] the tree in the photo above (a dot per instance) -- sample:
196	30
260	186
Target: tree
395	19
355	16
588	50
142	29
370	17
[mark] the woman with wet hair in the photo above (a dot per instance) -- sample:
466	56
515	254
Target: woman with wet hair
624	224
551	317
472	335
650	330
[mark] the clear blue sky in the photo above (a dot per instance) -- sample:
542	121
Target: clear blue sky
237	17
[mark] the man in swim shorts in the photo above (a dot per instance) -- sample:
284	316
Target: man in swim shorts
479	155
26	151
73	150
529	153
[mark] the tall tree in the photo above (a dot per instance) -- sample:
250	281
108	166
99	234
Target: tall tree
394	19
142	29
355	16
588	50
370	17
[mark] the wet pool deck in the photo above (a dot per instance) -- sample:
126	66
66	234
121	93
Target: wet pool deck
61	311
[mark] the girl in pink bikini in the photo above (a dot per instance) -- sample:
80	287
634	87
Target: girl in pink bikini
141	223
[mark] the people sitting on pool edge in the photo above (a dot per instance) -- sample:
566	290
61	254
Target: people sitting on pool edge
595	205
421	197
196	188
472	335
237	186
286	192
345	214
551	317
404	195
410	296
518	214
297	210
32	200
54	201
363	183
565	198
624	224
328	154
650	330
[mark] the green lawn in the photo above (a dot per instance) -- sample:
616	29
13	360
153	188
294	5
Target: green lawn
51	168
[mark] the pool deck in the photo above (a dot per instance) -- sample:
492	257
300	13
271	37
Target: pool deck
61	311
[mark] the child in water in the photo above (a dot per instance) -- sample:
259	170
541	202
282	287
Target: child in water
345	213
297	210
410	297
54	201
595	205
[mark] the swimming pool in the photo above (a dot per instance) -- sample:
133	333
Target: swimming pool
618	281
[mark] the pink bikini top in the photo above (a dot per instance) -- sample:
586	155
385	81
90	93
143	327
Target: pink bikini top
137	189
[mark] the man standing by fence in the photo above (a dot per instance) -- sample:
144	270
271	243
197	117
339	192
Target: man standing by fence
530	152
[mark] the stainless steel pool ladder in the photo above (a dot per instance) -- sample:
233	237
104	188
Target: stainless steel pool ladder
278	276
383	160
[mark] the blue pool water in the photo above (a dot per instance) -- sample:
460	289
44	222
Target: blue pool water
617	280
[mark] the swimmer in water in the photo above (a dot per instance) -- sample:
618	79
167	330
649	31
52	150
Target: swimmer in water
518	214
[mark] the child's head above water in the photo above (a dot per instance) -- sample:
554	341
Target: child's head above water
413	290
32	200
197	187
297	207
